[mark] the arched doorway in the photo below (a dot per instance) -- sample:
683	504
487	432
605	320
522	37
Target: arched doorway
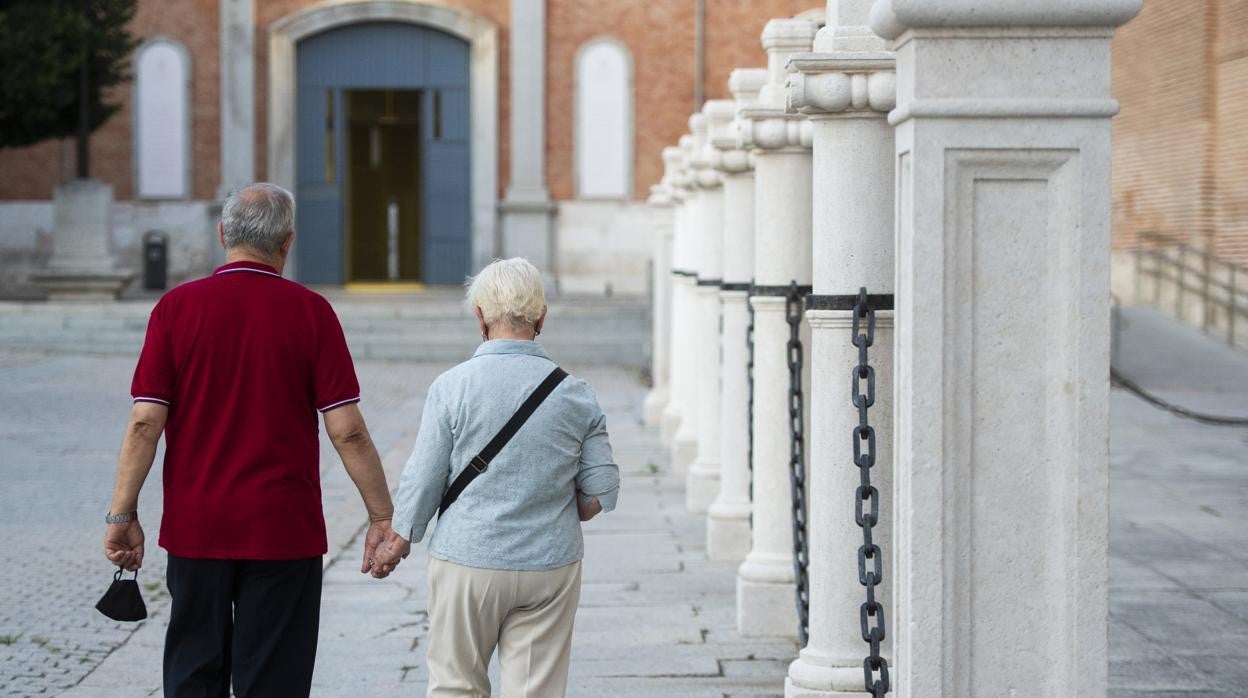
382	155
383	118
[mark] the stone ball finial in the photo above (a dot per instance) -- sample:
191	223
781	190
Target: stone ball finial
788	34
744	84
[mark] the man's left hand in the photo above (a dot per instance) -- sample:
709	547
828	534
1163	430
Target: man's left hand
389	554
123	544
378	532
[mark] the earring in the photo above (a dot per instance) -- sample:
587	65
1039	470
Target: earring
485	337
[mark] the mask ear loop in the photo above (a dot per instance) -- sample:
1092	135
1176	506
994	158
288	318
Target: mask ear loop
121	570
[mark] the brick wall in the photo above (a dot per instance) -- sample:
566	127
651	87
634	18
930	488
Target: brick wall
33	172
661	38
1180	161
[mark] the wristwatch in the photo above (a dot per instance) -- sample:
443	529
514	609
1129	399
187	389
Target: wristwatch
112	518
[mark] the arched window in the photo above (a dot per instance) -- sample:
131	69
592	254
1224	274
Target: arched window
604	120
162	117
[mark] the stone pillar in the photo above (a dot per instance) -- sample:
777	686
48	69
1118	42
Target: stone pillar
527	211
782	201
1001	436
684	445
846	89
728	519
702	484
663	203
674	173
238	95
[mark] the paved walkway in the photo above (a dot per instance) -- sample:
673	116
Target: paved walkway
1178	517
656	618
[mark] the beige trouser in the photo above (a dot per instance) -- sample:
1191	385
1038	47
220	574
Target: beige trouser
527	615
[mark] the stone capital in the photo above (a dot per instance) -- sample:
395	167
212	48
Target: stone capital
892	18
725	137
771	129
842	82
660	196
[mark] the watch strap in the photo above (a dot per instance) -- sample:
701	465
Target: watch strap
111	518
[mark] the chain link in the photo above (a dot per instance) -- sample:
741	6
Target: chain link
867	500
797	455
749	379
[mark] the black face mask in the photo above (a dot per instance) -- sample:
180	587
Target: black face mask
123	601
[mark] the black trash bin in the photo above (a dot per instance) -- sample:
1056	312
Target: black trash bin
155	260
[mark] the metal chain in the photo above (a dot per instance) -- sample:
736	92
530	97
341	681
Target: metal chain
749	379
797	456
867	500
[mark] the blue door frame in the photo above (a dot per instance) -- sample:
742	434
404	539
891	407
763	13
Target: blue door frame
382	55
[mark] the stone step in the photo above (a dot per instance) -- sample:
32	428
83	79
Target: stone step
429	327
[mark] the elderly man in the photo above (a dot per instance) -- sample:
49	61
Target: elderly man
234	370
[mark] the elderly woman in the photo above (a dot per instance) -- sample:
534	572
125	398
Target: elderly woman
505	557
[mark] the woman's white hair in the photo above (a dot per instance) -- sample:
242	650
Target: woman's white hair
508	290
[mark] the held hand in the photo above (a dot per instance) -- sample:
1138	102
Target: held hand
587	508
389	554
123	544
377	533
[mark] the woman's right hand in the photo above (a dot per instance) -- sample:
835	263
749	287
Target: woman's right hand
587	508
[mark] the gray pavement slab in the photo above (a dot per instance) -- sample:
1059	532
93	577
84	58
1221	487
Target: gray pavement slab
657	619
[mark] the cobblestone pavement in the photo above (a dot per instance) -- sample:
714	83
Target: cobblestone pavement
656	618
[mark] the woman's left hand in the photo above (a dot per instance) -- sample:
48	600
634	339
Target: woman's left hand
587	508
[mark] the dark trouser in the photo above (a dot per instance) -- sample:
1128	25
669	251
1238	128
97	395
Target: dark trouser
255	620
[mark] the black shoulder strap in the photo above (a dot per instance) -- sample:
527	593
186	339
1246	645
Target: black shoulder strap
481	461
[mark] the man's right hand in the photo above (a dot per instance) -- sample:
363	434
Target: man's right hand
123	544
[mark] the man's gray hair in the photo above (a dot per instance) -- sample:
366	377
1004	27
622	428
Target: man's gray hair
258	216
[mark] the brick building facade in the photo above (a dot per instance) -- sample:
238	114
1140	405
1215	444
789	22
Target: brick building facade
1180	73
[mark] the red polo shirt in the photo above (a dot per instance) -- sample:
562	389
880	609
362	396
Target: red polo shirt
244	359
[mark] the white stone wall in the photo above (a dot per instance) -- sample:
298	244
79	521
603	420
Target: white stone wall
604	247
26	239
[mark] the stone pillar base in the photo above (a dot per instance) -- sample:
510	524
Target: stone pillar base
668	426
792	690
70	285
728	531
701	486
652	409
684	450
815	677
766	600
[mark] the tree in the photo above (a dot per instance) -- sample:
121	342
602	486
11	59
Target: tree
61	59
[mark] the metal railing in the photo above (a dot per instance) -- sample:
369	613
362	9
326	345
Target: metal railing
1193	284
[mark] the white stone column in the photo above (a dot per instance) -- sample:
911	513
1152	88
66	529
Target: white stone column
702	484
782	201
728	519
527	210
238	94
1001	439
846	88
663	203
674	408
684	442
